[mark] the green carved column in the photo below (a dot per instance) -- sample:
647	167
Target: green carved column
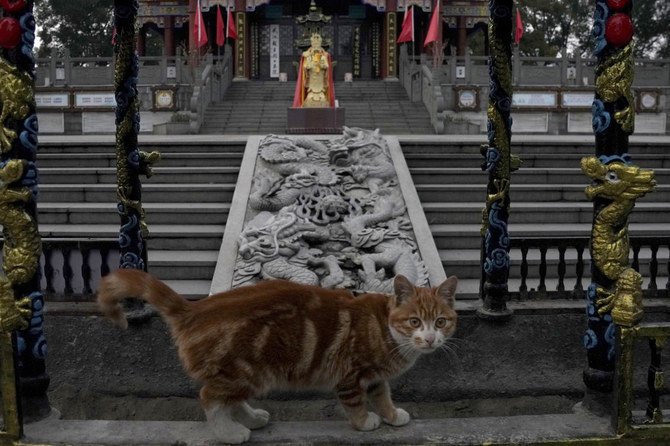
499	163
130	161
614	297
21	301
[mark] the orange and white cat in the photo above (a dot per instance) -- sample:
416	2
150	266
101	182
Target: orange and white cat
282	335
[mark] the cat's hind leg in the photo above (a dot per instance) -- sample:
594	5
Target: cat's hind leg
219	413
250	417
380	397
352	397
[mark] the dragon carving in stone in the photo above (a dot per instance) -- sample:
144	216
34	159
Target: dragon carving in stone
327	213
621	184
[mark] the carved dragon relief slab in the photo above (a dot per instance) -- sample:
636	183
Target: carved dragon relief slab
326	212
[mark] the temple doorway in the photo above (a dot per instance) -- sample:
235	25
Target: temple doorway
351	31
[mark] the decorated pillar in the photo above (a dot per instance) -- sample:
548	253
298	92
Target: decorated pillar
242	50
21	301
130	162
614	295
390	46
499	163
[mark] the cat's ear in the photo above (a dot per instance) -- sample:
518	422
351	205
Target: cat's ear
447	290
402	288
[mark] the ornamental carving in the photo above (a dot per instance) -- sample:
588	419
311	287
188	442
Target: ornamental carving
328	213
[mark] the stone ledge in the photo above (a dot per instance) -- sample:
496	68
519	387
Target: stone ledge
525	429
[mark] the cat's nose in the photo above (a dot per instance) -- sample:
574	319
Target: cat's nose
430	339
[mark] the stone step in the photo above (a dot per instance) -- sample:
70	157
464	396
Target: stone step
156	193
537	192
538	175
156	213
541	212
530	160
168	159
102	175
162	237
183	264
467	236
520	429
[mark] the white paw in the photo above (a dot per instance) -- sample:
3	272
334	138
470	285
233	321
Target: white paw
233	434
259	419
401	418
371	423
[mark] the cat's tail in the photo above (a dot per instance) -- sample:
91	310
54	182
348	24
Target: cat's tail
124	283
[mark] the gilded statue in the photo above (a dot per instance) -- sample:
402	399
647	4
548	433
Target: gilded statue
315	86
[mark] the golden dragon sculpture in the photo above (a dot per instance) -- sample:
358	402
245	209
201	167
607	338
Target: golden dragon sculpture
621	184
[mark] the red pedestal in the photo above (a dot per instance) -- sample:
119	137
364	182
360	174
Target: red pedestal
315	120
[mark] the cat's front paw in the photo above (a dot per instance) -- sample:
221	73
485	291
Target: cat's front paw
259	419
231	433
372	422
401	418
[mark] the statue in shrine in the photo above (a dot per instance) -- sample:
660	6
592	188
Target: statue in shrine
315	87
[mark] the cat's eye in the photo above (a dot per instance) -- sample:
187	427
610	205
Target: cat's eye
415	322
440	322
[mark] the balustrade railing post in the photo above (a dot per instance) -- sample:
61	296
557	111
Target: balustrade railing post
614	295
130	161
21	300
499	163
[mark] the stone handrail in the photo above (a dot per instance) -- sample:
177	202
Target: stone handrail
60	71
421	83
211	85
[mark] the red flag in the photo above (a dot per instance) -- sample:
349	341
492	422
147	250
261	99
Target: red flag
435	24
199	30
220	37
230	26
407	31
518	30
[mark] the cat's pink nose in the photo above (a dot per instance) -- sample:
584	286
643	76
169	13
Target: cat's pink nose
430	339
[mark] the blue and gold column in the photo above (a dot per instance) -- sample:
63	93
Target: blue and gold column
614	297
499	163
130	161
21	301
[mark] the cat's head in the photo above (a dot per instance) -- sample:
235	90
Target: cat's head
422	319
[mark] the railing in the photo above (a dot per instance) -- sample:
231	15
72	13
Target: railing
628	423
567	278
70	269
57	71
211	85
429	89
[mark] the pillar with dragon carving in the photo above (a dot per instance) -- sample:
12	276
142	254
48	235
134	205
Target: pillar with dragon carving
614	297
130	161
21	301
499	163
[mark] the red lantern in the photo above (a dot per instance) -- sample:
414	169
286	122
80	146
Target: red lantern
10	32
13	5
617	4
619	30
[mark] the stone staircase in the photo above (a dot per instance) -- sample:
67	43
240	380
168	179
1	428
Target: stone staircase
188	199
251	107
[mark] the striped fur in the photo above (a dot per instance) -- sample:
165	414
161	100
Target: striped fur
282	335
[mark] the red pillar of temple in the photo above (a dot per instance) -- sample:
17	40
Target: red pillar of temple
168	36
462	38
141	45
192	6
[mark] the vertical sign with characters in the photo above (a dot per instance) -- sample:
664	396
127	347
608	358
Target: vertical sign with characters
274	51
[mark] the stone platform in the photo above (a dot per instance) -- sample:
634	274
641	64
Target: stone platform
387	182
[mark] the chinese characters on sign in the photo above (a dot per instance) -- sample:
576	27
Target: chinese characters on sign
274	51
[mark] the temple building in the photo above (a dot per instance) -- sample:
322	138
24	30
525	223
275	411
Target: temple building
360	34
